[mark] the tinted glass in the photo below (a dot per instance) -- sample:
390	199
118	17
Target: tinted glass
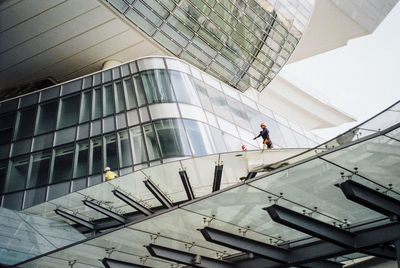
17	174
184	88
40	169
97	104
69	111
124	149
108	108
81	160
25	123
95	164
171	137
86	106
62	169
157	86
47	116
151	142
130	95
111	155
138	145
119	97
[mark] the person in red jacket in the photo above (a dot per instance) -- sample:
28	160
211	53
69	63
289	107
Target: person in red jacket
264	133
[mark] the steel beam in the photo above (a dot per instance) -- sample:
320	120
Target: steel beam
136	205
158	194
370	198
246	245
75	219
186	184
217	177
384	252
364	240
311	226
186	258
251	175
104	211
111	263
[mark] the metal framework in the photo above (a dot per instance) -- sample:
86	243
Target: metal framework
158	194
75	219
105	211
111	263
186	184
217	178
136	205
187	258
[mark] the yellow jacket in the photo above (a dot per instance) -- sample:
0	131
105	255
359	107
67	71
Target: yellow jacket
111	175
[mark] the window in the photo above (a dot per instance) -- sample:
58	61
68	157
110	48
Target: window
85	106
108	100
130	95
171	137
110	154
69	111
96	163
184	88
124	149
6	128
157	86
40	169
81	159
97	104
138	145
119	97
47	117
151	142
202	91
25	123
219	103
141	97
18	170
3	174
62	169
200	138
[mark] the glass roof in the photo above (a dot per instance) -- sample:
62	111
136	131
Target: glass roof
308	186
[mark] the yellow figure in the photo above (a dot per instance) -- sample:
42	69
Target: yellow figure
109	174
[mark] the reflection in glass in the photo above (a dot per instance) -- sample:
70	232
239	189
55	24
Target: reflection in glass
25	123
200	138
201	89
69	111
157	86
62	169
218	140
97	104
119	97
81	159
138	145
219	103
95	164
86	106
18	170
171	137
124	152
47	116
110	154
129	94
40	169
151	142
141	97
108	100
184	88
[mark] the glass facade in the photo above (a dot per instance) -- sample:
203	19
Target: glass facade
243	43
133	120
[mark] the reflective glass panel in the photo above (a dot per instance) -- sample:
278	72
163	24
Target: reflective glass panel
151	142
63	158
200	138
40	169
97	104
69	111
25	123
110	154
138	145
81	159
47	116
17	172
157	86
119	97
86	106
124	149
171	137
129	94
184	88
108	100
95	164
141	97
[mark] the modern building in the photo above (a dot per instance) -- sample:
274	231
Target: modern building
166	93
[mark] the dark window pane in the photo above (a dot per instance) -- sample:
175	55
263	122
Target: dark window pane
25	123
71	87
81	161
69	111
40	169
96	163
97	104
119	97
17	174
47	116
13	201
6	128
157	86
138	146
86	106
129	94
151	142
62	169
125	158
111	155
34	197
171	137
3	174
108	100
6	136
